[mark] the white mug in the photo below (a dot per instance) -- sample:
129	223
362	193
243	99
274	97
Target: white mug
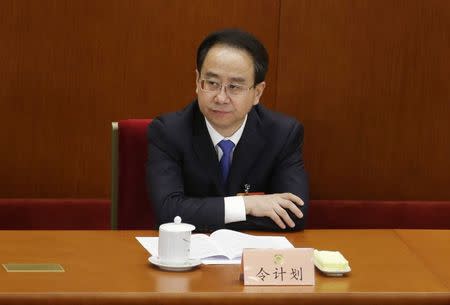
174	243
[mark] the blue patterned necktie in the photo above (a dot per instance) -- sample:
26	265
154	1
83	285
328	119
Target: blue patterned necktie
225	161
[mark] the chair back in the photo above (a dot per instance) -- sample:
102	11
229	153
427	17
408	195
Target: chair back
130	206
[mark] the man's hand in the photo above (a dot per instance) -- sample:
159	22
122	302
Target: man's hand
274	206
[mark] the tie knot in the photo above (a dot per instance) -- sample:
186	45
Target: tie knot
226	146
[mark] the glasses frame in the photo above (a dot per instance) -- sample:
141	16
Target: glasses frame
247	89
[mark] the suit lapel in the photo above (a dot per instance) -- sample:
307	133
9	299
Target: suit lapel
246	153
205	151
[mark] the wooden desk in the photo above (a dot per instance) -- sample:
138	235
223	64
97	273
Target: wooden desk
110	267
433	248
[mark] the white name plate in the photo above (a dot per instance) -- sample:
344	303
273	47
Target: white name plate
278	267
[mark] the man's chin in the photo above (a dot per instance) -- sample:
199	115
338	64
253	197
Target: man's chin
220	123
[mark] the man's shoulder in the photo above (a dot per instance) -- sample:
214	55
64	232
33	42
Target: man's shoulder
176	122
273	119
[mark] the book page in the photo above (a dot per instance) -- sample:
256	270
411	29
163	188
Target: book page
232	243
150	244
203	246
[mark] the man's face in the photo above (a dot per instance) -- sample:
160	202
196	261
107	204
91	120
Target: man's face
227	65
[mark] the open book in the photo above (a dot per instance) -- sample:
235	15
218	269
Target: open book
222	246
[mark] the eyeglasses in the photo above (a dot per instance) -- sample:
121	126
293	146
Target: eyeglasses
231	89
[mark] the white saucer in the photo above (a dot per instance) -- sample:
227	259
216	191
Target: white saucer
189	264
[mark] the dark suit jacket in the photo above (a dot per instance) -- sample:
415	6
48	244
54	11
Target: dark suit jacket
183	175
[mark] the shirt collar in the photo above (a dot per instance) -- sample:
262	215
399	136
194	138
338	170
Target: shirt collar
217	137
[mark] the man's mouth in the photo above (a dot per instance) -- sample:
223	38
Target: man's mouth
220	111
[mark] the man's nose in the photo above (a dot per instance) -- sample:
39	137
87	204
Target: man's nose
222	95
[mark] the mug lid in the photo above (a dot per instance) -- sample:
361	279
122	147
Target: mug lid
177	226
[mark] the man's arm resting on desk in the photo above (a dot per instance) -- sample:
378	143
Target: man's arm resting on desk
275	206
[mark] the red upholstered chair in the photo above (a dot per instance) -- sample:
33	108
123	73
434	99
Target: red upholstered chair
130	207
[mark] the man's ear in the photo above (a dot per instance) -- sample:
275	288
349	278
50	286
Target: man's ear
197	79
259	89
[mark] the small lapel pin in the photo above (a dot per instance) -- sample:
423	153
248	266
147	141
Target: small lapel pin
246	188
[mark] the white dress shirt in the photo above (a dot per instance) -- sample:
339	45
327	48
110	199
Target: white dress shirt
234	205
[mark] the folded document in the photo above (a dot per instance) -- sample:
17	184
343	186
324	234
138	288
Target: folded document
222	246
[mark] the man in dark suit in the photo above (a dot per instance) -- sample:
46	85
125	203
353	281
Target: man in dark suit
225	143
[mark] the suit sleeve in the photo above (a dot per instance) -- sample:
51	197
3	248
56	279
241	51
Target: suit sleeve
289	175
166	188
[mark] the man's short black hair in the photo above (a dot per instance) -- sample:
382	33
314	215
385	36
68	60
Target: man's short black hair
241	40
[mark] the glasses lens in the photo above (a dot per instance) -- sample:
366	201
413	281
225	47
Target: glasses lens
233	89
210	85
